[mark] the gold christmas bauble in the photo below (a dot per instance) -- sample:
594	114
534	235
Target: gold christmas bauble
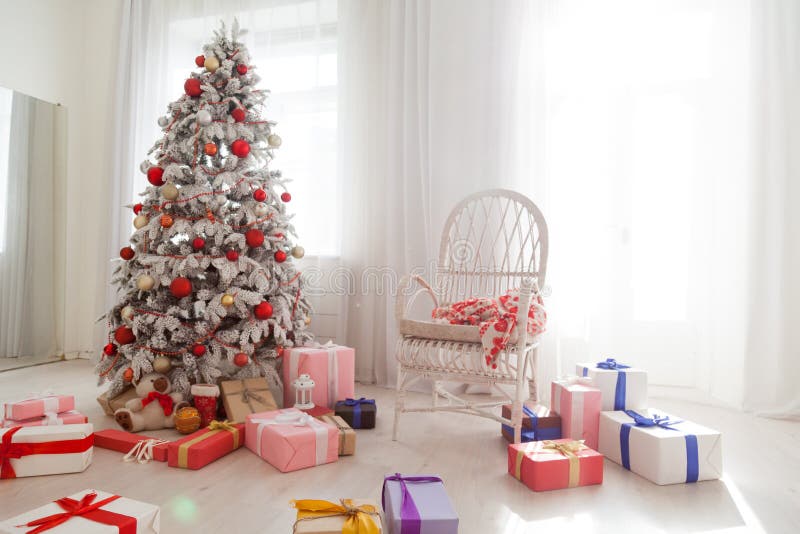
308	321
298	252
169	191
145	282
260	210
274	140
126	313
227	300
187	420
139	221
211	64
162	364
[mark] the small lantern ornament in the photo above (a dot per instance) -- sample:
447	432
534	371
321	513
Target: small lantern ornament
303	387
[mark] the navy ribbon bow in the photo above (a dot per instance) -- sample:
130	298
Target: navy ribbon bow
622	383
356	404
612	365
692	452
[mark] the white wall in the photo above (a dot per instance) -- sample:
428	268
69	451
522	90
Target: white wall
65	52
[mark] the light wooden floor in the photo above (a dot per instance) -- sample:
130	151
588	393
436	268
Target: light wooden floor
240	493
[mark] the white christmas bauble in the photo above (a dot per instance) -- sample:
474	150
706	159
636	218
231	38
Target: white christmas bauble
274	140
126	313
211	64
204	117
145	282
261	209
143	166
162	364
169	191
163	121
298	252
139	221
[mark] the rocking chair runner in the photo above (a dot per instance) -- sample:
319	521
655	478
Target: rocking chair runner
493	241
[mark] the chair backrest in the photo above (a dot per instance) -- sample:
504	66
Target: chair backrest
491	241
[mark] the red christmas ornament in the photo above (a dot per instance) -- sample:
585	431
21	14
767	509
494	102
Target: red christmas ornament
263	310
241	68
110	349
286	197
126	253
280	256
198	243
199	350
137	209
279	351
200	60
260	195
240	148
279	235
154	176
210	149
181	287
124	335
241	359
254	238
232	255
192	87
127	374
238	114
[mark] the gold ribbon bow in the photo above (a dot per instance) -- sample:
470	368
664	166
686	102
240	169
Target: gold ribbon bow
358	519
215	427
566	448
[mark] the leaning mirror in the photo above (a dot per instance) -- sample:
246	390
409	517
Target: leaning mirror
32	168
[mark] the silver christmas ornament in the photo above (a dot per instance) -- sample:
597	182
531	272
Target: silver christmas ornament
274	140
126	313
204	117
163	121
261	209
298	252
143	166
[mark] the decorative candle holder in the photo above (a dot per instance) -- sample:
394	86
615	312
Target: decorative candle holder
303	387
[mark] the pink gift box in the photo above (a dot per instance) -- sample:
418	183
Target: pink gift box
290	440
39	406
578	404
65	418
331	366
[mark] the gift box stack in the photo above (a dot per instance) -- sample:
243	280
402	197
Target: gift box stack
604	412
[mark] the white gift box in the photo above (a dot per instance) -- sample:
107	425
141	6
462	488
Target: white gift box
75	443
146	517
676	452
623	388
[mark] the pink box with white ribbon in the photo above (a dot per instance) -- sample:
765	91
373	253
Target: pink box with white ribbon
71	417
38	406
289	439
332	367
578	403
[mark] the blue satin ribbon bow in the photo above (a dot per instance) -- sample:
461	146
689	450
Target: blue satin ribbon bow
619	392
356	404
692	453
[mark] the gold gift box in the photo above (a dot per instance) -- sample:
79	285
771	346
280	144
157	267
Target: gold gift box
347	436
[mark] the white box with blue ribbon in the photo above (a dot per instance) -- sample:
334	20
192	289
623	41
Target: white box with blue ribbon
623	387
661	448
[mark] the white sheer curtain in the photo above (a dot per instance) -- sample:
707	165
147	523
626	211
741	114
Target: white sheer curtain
653	135
27	268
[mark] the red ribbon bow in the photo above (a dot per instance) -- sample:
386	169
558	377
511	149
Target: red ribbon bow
164	400
86	509
13	451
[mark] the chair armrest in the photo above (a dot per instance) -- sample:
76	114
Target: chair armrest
401	304
528	288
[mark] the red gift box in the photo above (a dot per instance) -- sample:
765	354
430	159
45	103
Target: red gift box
121	441
206	445
555	464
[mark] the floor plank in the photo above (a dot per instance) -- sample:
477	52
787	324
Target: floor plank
240	493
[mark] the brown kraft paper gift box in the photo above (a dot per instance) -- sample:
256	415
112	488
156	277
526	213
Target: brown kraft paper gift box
112	405
347	436
243	397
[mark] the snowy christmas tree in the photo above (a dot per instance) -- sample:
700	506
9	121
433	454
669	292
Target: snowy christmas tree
206	288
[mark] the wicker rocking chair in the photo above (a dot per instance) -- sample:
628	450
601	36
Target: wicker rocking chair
493	241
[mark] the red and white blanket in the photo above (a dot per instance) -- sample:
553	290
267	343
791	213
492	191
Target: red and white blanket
496	319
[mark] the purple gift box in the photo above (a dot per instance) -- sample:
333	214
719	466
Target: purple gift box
417	504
